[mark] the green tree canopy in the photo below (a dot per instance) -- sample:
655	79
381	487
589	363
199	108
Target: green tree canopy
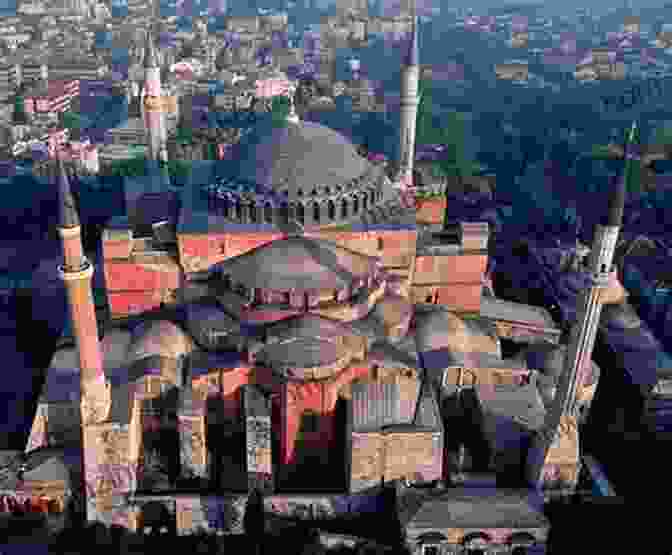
136	166
450	133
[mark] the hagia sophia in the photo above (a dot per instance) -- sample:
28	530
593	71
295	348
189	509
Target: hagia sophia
305	336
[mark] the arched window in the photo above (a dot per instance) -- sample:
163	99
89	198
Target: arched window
344	208
284	213
316	213
331	210
268	213
300	213
253	213
372	196
365	202
239	210
355	205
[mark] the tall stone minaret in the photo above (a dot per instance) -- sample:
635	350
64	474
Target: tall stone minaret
77	273
562	413
155	123
153	109
410	77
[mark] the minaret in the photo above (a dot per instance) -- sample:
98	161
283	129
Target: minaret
155	125
154	120
77	273
582	336
410	76
19	117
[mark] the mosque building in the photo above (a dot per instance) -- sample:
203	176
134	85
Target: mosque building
296	335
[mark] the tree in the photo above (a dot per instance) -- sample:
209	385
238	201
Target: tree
431	131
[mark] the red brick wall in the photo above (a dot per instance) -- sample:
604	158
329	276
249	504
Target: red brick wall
135	302
216	247
122	275
463	268
430	210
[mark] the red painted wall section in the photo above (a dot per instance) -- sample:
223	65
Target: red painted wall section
216	247
135	302
234	378
464	297
318	397
464	268
128	276
352	372
431	210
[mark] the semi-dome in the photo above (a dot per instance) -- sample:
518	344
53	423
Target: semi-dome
301	264
297	157
306	347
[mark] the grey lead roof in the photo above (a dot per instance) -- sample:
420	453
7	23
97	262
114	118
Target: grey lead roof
479	508
297	156
298	263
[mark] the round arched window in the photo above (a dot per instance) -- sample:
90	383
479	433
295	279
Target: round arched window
300	213
268	213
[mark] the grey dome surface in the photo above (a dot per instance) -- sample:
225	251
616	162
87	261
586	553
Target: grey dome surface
297	156
211	327
298	263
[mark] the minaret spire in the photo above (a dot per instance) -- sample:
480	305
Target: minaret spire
562	417
409	100
68	217
157	153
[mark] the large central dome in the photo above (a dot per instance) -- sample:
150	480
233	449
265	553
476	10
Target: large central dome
297	157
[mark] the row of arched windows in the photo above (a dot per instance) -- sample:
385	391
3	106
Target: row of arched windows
313	212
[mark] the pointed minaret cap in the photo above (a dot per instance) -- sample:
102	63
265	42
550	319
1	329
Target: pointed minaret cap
68	217
617	198
151	58
412	57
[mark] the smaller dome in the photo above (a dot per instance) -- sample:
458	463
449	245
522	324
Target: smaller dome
211	327
299	263
115	346
307	347
157	347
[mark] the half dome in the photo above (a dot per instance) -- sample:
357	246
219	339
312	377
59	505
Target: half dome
299	263
307	347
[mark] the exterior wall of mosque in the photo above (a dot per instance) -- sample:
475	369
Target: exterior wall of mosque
462	268
430	210
458	297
